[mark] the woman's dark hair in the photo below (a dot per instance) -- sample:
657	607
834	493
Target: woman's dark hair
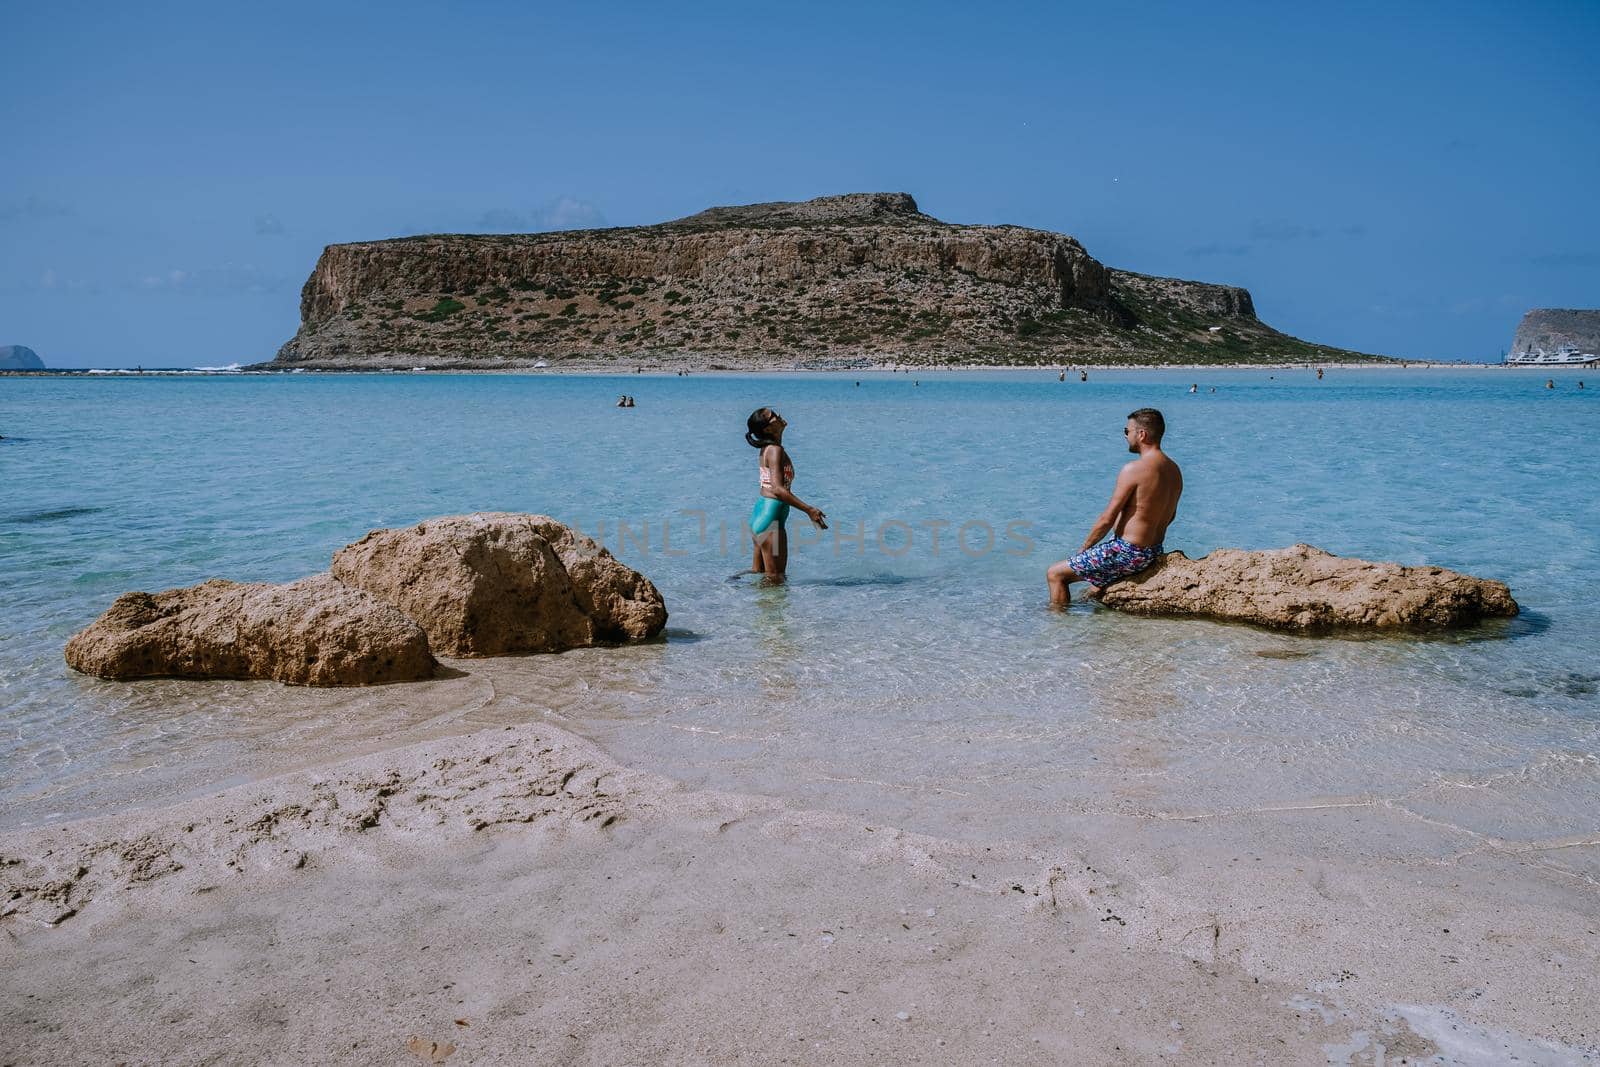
756	433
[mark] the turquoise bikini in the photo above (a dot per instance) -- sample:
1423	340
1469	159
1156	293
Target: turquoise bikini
767	510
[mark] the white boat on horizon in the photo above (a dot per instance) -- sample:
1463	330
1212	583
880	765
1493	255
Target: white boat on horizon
1565	356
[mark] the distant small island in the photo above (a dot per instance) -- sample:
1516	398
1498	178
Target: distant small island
864	279
19	357
1554	329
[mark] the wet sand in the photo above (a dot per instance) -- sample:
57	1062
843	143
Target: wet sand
513	894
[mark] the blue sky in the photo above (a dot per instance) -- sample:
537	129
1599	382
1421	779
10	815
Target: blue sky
1403	179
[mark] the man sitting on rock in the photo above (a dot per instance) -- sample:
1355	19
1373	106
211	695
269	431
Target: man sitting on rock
1142	507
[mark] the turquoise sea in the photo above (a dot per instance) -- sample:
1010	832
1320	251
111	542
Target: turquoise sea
929	686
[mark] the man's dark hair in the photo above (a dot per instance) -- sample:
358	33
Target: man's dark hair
1151	422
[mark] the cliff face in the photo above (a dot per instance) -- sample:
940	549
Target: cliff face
1548	329
865	276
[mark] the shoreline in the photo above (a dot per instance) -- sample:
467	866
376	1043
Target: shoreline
570	369
514	890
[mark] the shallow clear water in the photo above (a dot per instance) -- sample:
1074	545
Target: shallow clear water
930	687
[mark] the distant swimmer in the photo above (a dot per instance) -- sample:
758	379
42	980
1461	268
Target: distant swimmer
1061	377
1195	388
1213	388
764	430
1083	376
1550	383
1580	384
622	401
1319	374
1142	506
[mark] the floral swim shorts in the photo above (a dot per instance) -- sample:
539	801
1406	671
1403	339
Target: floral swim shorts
1104	563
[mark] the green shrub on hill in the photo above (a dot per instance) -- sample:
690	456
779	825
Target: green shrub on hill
446	307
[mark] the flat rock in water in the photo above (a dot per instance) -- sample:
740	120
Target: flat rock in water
496	583
316	631
1306	589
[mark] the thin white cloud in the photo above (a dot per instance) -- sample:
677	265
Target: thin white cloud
1216	248
228	278
569	213
1282	231
501	220
562	213
33	209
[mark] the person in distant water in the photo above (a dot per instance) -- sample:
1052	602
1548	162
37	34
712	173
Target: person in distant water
1580	383
764	431
1319	374
1062	376
622	401
1549	383
1213	388
1083	376
1142	506
1195	388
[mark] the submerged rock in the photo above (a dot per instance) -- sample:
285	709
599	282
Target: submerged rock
1306	589
498	582
316	631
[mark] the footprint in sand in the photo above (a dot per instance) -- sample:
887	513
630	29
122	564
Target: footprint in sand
430	1051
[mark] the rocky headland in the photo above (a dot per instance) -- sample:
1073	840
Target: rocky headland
1305	589
1550	329
859	279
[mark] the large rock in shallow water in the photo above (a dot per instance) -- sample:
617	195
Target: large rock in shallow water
1304	588
498	582
316	631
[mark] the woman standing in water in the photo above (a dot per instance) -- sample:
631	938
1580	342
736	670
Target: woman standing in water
767	518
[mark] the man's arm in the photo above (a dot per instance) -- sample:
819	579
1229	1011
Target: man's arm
1120	497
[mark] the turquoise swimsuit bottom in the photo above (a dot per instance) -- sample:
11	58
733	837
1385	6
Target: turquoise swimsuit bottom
766	512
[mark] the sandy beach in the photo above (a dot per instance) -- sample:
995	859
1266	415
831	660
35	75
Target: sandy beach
514	894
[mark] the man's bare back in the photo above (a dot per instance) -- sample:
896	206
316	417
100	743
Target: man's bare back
1154	484
1143	504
